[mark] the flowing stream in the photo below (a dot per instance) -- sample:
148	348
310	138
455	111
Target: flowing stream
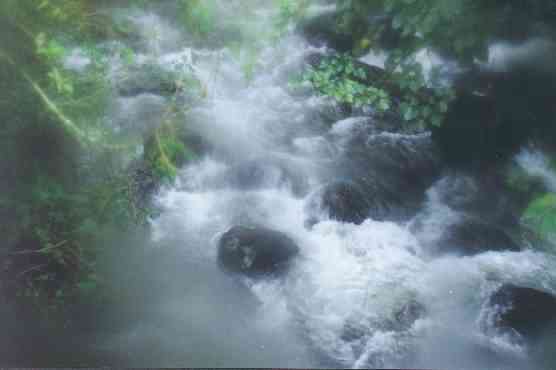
373	294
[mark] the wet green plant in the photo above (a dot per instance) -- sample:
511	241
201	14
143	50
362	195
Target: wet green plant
540	216
339	78
70	187
289	13
198	16
399	90
165	152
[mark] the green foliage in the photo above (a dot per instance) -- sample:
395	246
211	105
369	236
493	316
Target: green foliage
198	16
462	28
68	189
540	215
63	225
419	102
164	152
339	78
405	91
289	12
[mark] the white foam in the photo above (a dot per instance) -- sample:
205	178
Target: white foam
345	272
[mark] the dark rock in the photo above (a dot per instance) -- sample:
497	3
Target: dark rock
472	122
147	78
345	201
407	161
488	122
393	171
472	237
526	310
330	29
255	251
322	30
484	195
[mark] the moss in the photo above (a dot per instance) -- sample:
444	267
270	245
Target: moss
540	215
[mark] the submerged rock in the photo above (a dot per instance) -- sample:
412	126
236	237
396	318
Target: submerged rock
262	173
528	311
255	251
401	320
472	237
353	202
344	201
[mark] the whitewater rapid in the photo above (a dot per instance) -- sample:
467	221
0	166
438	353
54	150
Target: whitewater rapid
343	297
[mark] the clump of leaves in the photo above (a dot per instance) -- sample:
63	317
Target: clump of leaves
289	12
540	215
164	152
198	16
423	102
339	78
62	224
402	90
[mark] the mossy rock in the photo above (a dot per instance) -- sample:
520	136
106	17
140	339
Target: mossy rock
540	215
165	152
147	78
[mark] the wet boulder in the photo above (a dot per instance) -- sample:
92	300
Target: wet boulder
345	201
255	251
525	310
471	237
392	170
487	122
147	79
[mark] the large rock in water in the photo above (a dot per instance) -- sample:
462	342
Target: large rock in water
255	251
472	237
392	171
526	310
488	122
344	201
354	202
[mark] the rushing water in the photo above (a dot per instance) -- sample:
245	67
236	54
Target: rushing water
343	301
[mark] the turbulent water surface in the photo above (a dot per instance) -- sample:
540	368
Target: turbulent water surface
373	294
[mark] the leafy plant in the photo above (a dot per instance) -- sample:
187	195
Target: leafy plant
400	90
540	215
339	78
198	16
289	12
